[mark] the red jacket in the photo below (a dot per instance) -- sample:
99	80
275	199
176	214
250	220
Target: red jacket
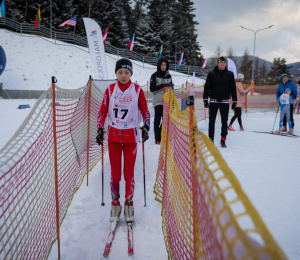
123	135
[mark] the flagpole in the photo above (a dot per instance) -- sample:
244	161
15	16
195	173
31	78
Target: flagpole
74	31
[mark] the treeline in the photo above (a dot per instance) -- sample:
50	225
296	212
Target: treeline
262	75
152	21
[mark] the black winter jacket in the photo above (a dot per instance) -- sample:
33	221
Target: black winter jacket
158	81
219	85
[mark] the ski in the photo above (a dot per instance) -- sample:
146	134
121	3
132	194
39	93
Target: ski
283	134
113	227
130	238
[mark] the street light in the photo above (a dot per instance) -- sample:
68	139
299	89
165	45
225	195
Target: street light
252	82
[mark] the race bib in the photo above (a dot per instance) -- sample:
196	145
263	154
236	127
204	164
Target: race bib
284	99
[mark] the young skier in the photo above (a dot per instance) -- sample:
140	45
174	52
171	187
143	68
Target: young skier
122	102
285	101
240	92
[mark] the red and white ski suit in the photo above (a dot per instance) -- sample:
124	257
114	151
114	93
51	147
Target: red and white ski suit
122	139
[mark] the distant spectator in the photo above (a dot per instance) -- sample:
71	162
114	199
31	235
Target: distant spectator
297	102
287	83
240	92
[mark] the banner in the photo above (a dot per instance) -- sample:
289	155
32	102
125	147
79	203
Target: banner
231	66
94	36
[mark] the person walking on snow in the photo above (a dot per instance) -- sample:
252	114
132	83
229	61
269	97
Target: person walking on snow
297	102
285	101
160	79
219	85
124	102
280	90
240	92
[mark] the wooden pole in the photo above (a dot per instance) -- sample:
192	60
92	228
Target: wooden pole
88	137
55	164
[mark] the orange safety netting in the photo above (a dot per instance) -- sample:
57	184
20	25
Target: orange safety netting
28	199
206	214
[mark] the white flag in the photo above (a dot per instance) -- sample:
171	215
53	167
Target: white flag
231	66
94	36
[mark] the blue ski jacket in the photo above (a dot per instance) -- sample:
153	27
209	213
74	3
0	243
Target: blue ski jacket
282	86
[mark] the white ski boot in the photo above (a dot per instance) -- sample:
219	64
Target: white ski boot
280	131
115	211
129	211
291	131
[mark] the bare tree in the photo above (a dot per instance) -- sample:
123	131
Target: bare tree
214	59
230	55
90	4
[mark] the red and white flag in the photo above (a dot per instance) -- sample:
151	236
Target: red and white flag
204	64
104	35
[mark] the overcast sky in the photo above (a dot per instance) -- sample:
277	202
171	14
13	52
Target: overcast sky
219	22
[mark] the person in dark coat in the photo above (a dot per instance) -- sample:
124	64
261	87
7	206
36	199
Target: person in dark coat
220	83
160	79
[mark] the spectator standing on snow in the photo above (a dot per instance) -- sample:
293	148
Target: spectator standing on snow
122	102
240	92
160	79
280	90
297	102
286	102
219	85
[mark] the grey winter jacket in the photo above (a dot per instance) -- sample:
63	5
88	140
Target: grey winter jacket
158	81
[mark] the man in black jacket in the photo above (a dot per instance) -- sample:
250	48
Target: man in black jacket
160	79
220	83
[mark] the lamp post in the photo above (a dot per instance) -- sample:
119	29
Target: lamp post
253	65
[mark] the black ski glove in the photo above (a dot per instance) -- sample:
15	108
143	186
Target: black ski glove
100	136
206	104
233	105
145	134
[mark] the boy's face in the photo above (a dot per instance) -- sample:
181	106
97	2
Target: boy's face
289	92
163	66
123	75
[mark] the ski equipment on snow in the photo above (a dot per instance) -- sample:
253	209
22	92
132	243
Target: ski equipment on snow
130	238
110	239
282	134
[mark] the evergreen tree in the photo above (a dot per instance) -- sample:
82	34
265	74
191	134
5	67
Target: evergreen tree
263	73
257	66
279	67
246	67
144	37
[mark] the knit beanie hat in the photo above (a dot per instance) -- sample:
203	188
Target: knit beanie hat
221	59
284	75
240	76
287	89
124	64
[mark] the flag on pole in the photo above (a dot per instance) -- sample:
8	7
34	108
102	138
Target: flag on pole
161	50
2	9
38	18
104	35
131	42
180	61
204	64
71	22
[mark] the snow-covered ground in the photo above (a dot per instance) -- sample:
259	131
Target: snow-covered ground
267	167
32	61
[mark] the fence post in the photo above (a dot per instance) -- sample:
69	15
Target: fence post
166	156
55	164
88	137
252	88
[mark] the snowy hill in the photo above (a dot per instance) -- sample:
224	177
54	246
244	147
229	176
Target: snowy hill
31	61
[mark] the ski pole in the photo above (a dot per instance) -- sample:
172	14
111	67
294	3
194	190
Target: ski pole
102	204
144	175
275	118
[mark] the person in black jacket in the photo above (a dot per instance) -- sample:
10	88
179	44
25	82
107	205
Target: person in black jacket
160	79
220	83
